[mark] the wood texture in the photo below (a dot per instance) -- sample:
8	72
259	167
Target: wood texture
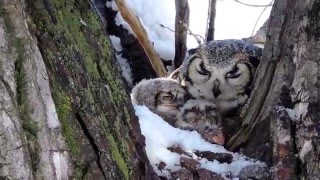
286	98
142	36
181	30
211	19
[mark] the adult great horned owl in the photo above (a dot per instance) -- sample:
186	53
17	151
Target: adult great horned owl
203	117
162	96
221	71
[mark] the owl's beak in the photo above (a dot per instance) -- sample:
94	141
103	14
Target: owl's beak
216	88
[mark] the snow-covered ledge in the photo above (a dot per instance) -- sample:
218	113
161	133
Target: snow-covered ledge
160	136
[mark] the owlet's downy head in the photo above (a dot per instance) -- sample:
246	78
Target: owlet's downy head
162	96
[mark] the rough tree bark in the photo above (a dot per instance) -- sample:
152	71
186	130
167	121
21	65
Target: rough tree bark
64	111
211	18
181	30
286	97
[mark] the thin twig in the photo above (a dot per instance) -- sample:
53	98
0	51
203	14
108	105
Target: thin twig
253	5
255	25
196	36
165	27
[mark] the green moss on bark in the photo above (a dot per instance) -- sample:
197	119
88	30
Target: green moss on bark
16	47
79	55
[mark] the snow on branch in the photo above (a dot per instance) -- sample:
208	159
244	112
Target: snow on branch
142	37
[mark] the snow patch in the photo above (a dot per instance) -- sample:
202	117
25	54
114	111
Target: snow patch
112	5
306	148
291	114
116	43
160	135
119	19
61	166
121	22
301	110
125	66
126	69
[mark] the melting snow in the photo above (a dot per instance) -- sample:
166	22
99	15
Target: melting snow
116	43
125	66
301	110
160	135
306	148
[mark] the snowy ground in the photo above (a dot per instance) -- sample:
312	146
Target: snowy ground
160	136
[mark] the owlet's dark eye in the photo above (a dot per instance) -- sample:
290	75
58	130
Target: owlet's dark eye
167	96
202	70
234	73
164	96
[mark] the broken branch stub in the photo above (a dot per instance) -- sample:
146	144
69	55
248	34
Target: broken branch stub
142	37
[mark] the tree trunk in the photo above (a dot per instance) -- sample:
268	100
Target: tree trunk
181	31
211	19
287	93
63	106
65	114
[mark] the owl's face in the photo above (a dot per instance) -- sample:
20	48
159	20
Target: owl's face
168	101
220	74
163	96
228	86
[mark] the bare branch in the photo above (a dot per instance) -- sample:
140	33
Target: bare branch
181	27
259	38
198	37
165	27
142	37
210	21
253	5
